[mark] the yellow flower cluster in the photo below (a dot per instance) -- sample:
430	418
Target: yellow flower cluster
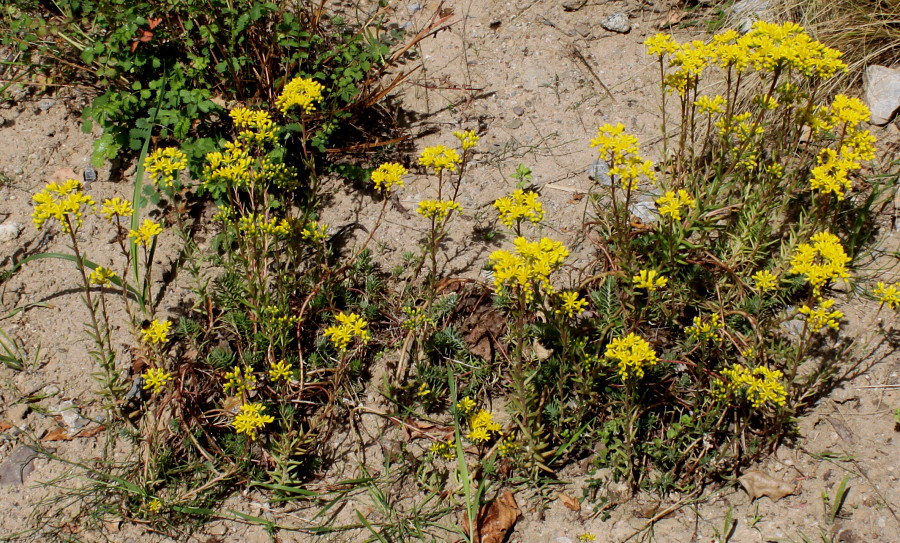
251	419
765	280
758	386
253	126
101	276
146	233
156	332
532	263
280	370
520	205
620	149
388	176
314	232
766	48
437	209
274	315
116	207
439	158
822	261
64	202
587	536
235	167
255	224
671	203
351	325
888	294
302	93
163	165
649	280
156	379
466	405
710	105
482	426
239	382
467	139
571	305
633	354
833	166
822	315
705	330
416	318
444	449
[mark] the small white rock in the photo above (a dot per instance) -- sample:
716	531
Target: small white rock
9	231
882	86
617	22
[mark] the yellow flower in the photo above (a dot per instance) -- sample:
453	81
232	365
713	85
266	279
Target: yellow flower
758	386
388	175
444	449
466	405
237	382
156	379
710	105
439	158
621	150
848	110
765	280
251	419
507	447
157	332
822	316
253	126
888	294
660	44
101	276
155	505
571	305
521	205
280	370
437	209
423	390
822	261
116	207
632	354
146	233
615	141
587	536
705	331
315	232
530	266
351	325
672	202
162	165
64	202
302	93
467	139
482	426
650	280
830	175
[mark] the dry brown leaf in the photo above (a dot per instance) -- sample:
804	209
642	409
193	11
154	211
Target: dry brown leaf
57	434
4	426
414	429
673	18
495	519
91	432
758	484
569	502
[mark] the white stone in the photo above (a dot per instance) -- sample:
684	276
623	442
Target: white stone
9	231
882	90
617	22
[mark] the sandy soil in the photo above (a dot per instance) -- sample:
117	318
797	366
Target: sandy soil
529	76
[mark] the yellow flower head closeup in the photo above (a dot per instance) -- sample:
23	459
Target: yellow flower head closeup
765	281
437	209
301	93
439	158
529	267
251	419
116	207
350	326
101	276
156	379
253	126
649	280
238	381
571	305
633	354
467	139
280	371
388	175
821	315
671	203
757	386
705	329
821	261
162	165
157	332
64	202
146	233
887	294
521	205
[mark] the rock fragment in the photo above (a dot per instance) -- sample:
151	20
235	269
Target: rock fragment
617	22
882	93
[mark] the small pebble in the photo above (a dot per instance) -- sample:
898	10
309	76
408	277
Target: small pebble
518	111
617	22
513	124
89	175
9	231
